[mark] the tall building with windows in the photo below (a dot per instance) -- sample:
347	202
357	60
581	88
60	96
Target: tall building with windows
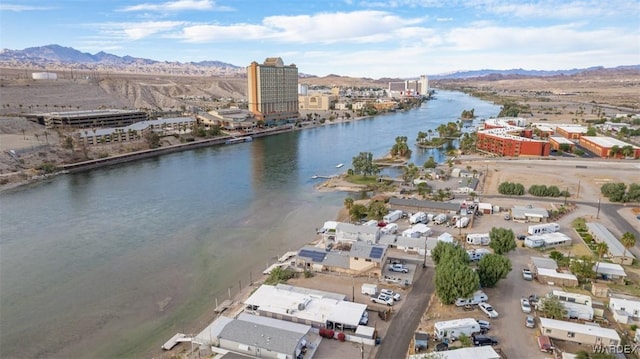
273	90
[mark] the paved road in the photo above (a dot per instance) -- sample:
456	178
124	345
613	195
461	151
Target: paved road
396	343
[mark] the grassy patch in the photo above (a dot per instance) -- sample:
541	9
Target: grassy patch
359	179
631	289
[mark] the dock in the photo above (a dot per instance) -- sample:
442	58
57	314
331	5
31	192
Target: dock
178	338
323	177
282	262
223	306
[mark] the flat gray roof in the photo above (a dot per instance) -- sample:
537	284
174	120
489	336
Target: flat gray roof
410	202
520	211
602	234
356	228
542	262
263	336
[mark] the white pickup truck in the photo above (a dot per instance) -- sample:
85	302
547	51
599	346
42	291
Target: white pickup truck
383	299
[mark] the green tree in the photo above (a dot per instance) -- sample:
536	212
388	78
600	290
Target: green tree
448	252
583	354
348	203
492	268
279	275
377	210
357	212
153	140
601	249
430	163
363	164
591	131
552	308
409	173
582	268
502	240
614	191
455	279
465	341
628	240
401	148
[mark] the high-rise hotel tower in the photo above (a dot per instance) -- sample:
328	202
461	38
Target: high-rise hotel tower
273	90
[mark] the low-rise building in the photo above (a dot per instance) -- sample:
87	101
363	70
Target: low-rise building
609	271
561	143
407	244
602	146
578	333
354	258
305	306
547	240
416	205
88	118
624	308
617	253
555	277
529	214
348	232
572	132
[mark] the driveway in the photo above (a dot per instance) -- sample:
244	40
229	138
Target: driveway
514	338
395	343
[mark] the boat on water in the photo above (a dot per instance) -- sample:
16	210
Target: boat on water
339	165
238	140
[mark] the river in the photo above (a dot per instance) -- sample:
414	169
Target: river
114	261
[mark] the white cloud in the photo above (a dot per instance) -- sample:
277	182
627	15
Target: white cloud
139	30
322	28
177	5
20	8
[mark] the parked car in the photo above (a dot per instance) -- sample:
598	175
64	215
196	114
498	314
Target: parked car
526	274
525	305
530	322
482	340
399	268
390	293
484	325
488	310
533	299
383	299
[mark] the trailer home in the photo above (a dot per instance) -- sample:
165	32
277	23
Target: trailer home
543	228
452	329
440	219
478	239
392	216
477	298
578	333
418	217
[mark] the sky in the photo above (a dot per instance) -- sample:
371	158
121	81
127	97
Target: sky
368	38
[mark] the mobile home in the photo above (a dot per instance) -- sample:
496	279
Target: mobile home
452	329
477	239
392	216
477	298
579	333
418	217
543	228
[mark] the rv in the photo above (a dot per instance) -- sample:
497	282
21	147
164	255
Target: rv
477	239
543	228
390	228
371	223
452	329
477	254
369	289
440	219
392	216
462	222
477	298
418	217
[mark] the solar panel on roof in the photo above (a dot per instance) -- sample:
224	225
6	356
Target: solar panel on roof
376	252
314	255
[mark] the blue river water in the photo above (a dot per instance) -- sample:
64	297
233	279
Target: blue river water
114	261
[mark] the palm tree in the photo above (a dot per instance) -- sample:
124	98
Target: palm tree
348	203
601	249
628	240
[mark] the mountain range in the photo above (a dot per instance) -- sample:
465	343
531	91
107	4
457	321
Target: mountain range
57	56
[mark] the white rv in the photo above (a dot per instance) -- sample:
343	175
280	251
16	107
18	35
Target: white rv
543	228
477	239
452	329
392	216
418	217
440	219
462	222
390	228
371	223
477	298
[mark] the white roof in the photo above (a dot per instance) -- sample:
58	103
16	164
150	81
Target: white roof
607	142
551	238
520	211
330	225
454	323
478	235
561	140
601	332
354	228
610	268
316	308
602	234
421	227
552	273
446	237
484	352
573	129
